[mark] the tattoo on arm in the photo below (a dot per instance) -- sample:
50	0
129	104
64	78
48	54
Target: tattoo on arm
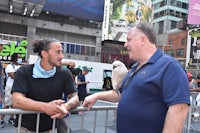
73	101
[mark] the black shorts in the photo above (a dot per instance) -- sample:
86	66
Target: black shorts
82	95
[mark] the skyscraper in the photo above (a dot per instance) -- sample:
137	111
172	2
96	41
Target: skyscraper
167	13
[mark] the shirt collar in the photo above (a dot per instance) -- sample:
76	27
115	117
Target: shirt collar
155	56
152	59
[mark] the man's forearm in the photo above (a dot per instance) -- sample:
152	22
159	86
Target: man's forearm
73	101
175	118
111	96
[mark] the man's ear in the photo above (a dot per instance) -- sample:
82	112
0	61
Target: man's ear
143	40
44	53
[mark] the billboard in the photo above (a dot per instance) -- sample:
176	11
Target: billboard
11	47
124	14
194	12
85	9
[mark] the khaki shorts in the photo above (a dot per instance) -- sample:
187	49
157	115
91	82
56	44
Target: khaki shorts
8	96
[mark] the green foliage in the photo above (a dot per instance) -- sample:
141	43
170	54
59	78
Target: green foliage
117	13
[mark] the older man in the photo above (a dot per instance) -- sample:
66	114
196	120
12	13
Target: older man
154	96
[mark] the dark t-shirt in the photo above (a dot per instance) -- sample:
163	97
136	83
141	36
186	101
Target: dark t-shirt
82	87
42	89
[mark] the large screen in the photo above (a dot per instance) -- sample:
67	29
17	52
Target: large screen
85	9
125	14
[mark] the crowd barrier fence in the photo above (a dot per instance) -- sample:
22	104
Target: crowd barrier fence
20	112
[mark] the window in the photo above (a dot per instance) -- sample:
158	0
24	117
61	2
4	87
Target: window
162	13
156	15
156	6
161	25
72	49
184	15
68	48
13	29
170	42
180	52
93	51
168	2
173	24
173	2
167	12
79	49
83	50
87	50
162	3
170	52
172	12
185	5
183	41
178	4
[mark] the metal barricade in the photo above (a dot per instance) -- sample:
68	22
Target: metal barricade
94	124
80	122
69	119
188	124
193	114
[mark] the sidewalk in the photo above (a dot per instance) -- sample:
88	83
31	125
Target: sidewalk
195	126
8	128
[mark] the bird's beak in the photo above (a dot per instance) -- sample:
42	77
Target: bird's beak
114	67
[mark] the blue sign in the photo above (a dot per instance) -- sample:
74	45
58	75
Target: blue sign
85	9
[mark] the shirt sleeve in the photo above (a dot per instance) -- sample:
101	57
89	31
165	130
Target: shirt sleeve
21	81
175	88
69	86
9	69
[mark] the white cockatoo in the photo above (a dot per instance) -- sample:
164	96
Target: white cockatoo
118	74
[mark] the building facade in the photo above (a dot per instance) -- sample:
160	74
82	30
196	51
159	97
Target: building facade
81	38
177	46
166	16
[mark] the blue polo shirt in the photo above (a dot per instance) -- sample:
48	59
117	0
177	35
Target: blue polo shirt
147	94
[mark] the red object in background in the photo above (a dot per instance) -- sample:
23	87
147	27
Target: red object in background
189	75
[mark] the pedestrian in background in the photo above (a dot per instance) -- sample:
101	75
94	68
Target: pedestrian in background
40	87
154	96
192	83
10	71
1	77
82	84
